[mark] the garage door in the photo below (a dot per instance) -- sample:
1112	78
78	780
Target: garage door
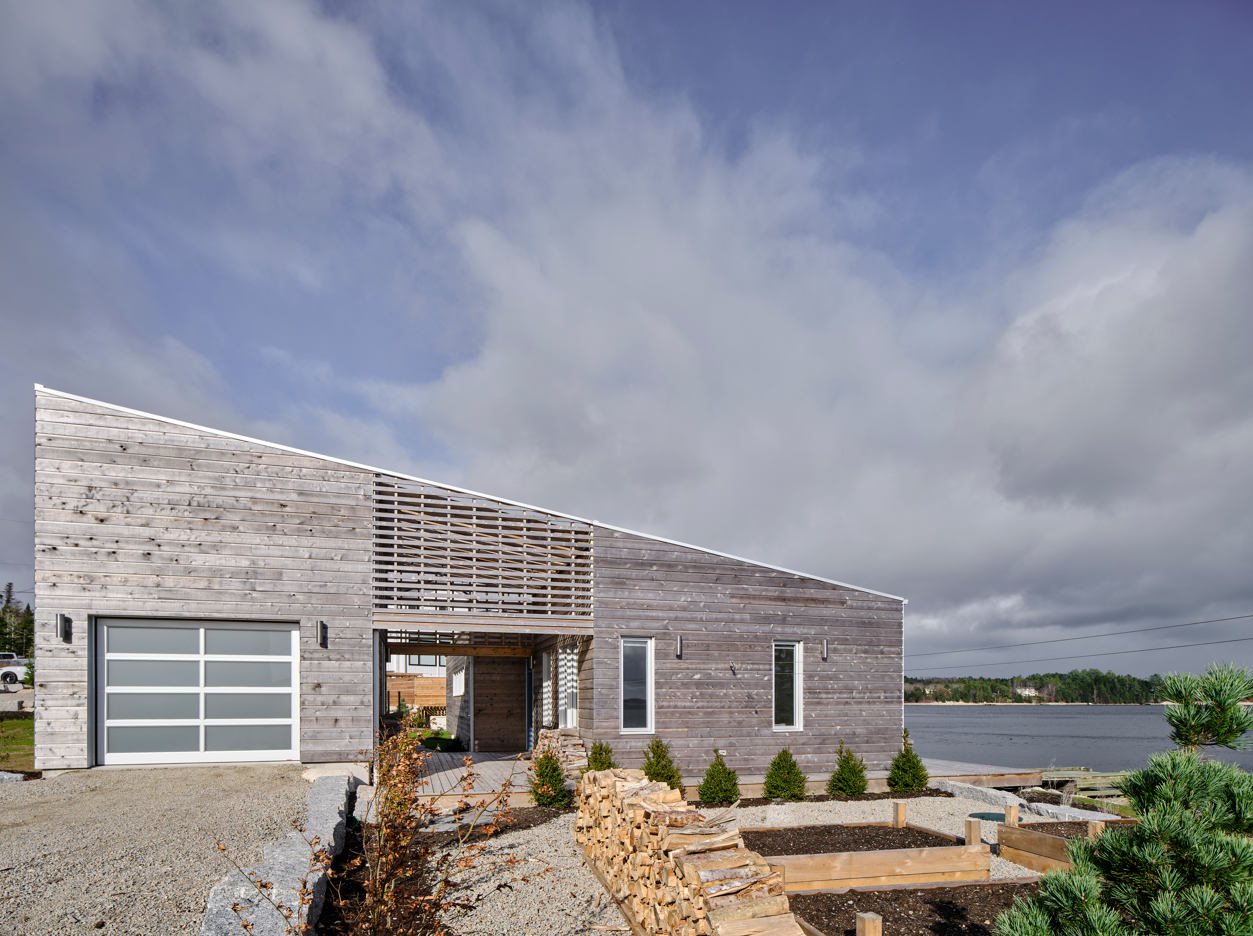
196	691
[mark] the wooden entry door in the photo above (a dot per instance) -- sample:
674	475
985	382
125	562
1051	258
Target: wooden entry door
499	704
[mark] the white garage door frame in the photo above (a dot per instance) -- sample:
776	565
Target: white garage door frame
175	679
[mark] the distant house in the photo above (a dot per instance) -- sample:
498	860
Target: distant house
205	597
1029	692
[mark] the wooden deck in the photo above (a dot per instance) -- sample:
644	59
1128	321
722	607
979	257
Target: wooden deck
984	775
492	770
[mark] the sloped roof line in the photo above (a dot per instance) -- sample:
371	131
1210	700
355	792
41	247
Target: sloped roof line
40	388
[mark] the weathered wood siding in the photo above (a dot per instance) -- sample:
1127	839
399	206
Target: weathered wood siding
729	612
142	517
499	704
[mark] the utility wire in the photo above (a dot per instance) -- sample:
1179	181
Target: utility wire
15	520
1034	643
1084	656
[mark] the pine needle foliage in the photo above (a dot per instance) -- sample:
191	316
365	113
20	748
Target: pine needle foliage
548	782
907	774
659	765
721	784
1186	867
600	757
1207	709
849	776
784	778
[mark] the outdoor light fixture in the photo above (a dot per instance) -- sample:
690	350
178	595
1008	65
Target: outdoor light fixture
732	669
678	646
323	634
824	649
65	628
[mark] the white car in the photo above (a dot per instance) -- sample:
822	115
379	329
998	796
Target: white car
12	668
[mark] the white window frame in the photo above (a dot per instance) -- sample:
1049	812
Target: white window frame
798	684
650	643
568	685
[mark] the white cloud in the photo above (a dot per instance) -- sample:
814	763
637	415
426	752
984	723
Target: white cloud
665	335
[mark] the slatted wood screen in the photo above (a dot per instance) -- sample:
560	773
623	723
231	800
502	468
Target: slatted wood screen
438	551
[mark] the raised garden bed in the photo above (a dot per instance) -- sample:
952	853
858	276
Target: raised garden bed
1041	846
824	798
837	857
969	910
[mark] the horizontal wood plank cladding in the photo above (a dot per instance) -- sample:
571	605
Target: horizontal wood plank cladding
138	517
499	704
729	612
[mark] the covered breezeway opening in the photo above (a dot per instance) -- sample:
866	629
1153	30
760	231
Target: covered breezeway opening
502	688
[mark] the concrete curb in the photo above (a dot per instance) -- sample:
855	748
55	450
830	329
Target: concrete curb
286	863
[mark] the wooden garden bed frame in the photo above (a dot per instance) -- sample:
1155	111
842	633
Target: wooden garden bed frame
1041	851
966	860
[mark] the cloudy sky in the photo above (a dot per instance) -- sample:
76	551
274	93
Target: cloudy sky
951	301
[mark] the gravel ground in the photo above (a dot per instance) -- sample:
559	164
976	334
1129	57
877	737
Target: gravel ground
945	815
560	896
568	899
133	848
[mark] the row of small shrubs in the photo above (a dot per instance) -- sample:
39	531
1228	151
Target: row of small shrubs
784	778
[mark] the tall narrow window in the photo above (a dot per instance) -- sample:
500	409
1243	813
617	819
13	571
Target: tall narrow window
546	690
568	686
636	668
787	685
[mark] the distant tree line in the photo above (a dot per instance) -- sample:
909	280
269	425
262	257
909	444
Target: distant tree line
17	626
1087	685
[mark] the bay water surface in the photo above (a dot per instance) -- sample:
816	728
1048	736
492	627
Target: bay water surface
1102	737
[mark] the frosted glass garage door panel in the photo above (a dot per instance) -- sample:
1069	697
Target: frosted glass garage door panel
153	673
153	705
247	705
153	639
223	673
151	739
247	642
247	737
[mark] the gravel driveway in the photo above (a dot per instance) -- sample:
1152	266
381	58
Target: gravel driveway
133	848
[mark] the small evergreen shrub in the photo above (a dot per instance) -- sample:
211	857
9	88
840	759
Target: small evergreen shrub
849	777
907	773
548	782
784	778
659	765
721	783
601	757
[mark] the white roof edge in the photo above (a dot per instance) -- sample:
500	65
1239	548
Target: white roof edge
452	487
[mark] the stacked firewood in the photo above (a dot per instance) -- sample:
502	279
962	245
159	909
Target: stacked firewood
568	747
671	869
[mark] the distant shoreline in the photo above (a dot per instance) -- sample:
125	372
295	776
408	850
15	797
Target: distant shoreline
1031	704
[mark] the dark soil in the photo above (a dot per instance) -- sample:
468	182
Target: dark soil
1066	830
825	839
823	798
1041	796
941	911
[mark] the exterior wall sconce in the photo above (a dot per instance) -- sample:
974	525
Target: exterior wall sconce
323	634
65	628
732	669
824	649
678	646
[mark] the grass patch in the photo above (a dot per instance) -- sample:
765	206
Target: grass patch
17	744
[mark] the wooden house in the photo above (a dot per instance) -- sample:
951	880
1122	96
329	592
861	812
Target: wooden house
204	597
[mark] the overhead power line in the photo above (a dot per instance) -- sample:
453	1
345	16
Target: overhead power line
1084	656
1035	643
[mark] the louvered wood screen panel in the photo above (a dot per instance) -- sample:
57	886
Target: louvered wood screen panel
437	551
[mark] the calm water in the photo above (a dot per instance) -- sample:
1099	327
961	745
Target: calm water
1103	737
